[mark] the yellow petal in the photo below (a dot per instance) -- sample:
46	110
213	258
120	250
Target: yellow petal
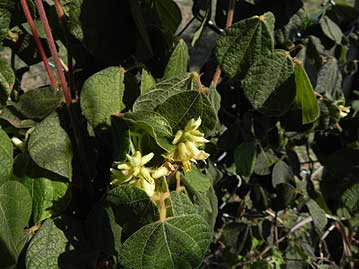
177	138
160	172
145	159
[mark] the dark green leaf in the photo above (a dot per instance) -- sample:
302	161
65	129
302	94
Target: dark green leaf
178	62
131	206
265	160
189	105
169	13
265	75
181	204
329	82
46	247
5	19
7	78
240	45
164	90
15	211
281	173
101	96
331	29
50	147
39	103
153	124
179	242
6	157
318	214
305	97
245	158
49	197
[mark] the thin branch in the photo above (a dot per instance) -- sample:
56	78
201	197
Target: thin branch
229	22
42	53
53	50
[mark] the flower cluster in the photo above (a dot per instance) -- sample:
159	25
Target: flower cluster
186	152
187	143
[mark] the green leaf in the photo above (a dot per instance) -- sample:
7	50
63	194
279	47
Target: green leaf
350	198
5	19
265	160
39	103
265	75
318	214
169	14
240	46
147	81
49	197
329	81
196	180
7	78
245	158
181	204
179	242
131	206
6	157
179	60
50	147
189	105
153	124
164	90
281	173
305	97
101	96
46	247
331	29
15	211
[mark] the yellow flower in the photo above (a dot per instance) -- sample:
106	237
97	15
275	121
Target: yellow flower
187	142
135	172
343	110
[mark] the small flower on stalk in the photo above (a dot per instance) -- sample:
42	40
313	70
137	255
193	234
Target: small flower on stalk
135	172
187	142
343	111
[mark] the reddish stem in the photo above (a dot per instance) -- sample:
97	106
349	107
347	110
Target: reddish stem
31	23
60	11
229	22
53	50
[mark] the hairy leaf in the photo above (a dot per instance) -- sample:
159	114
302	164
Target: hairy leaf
240	45
179	242
181	204
153	124
46	247
245	158
7	78
282	173
331	29
6	157
15	211
147	81
179	61
48	197
39	103
101	96
318	214
50	147
265	75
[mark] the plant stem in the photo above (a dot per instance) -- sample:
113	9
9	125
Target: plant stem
229	22
31	23
53	50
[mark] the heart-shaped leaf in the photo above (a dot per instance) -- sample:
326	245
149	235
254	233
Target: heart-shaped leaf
15	211
179	242
50	147
101	96
265	75
243	43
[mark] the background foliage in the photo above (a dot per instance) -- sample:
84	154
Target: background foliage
278	103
